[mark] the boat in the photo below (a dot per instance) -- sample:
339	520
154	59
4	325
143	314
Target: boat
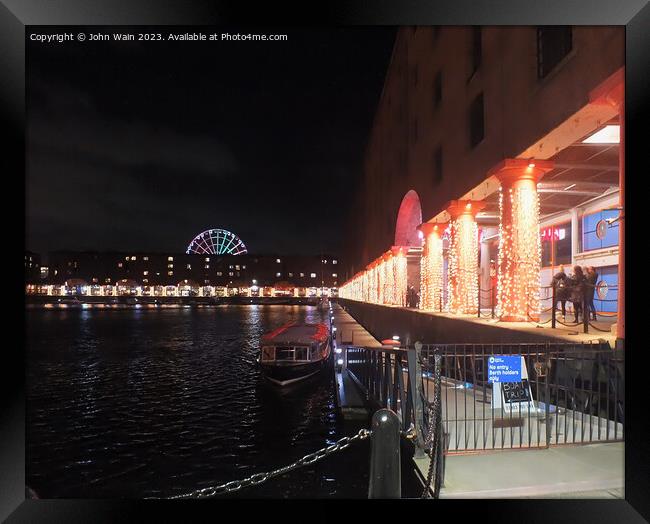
294	352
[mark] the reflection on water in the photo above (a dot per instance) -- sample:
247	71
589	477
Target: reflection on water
137	403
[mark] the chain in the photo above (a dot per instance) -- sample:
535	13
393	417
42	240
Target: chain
259	478
433	438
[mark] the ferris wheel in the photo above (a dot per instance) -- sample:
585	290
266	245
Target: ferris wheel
216	242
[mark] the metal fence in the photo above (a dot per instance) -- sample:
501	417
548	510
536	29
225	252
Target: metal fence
570	393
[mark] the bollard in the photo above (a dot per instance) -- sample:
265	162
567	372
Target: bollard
585	314
385	470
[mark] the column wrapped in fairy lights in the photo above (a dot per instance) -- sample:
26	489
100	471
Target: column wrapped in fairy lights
431	266
519	260
400	275
463	256
386	266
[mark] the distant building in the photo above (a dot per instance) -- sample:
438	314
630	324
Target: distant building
82	269
32	267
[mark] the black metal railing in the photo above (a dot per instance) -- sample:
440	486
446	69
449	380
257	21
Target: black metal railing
574	393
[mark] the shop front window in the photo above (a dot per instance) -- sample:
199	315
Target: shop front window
556	245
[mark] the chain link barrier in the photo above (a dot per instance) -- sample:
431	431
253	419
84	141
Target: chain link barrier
259	478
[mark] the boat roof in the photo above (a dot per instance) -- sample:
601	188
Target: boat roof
297	333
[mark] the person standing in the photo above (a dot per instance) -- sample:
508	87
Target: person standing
592	279
559	283
577	294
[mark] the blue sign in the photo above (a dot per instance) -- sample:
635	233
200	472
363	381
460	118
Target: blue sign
504	368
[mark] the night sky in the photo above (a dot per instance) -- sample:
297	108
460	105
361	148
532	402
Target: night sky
139	146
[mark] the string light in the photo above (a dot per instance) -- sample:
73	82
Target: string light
520	250
431	268
463	265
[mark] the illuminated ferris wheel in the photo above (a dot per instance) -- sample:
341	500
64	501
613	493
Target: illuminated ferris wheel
216	242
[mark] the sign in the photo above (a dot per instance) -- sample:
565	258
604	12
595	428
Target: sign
555	233
601	229
510	387
504	368
516	391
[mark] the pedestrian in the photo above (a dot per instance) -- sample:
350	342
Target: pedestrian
577	294
560	285
592	279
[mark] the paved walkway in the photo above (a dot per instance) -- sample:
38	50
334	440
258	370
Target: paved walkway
589	471
571	333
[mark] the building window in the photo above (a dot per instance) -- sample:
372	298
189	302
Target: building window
277	260
230	273
477	48
170	273
243	267
145	273
189	266
145	280
476	121
313	275
437	90
278	274
170	266
290	274
437	166
133	258
334	262
207	266
553	44
237	267
120	264
126	258
597	232
145	259
170	259
207	259
334	275
556	245
219	273
302	274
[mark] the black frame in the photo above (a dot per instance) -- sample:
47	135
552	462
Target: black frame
634	15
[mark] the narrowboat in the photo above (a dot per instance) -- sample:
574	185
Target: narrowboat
294	352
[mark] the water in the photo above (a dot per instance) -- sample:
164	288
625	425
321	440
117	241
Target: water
158	402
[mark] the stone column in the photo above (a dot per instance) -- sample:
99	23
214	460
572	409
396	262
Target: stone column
431	263
463	256
519	261
612	92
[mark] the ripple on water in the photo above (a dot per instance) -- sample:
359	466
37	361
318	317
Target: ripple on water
160	402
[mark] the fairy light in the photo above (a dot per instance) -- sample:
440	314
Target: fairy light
400	276
431	268
463	258
520	249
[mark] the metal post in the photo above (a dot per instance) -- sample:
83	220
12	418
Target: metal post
554	307
492	299
415	386
385	467
585	315
479	298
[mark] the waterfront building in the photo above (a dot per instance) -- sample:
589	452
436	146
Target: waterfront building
508	143
183	274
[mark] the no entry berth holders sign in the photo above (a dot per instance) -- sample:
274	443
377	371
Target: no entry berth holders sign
510	387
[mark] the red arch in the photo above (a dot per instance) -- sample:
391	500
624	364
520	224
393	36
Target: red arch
409	218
